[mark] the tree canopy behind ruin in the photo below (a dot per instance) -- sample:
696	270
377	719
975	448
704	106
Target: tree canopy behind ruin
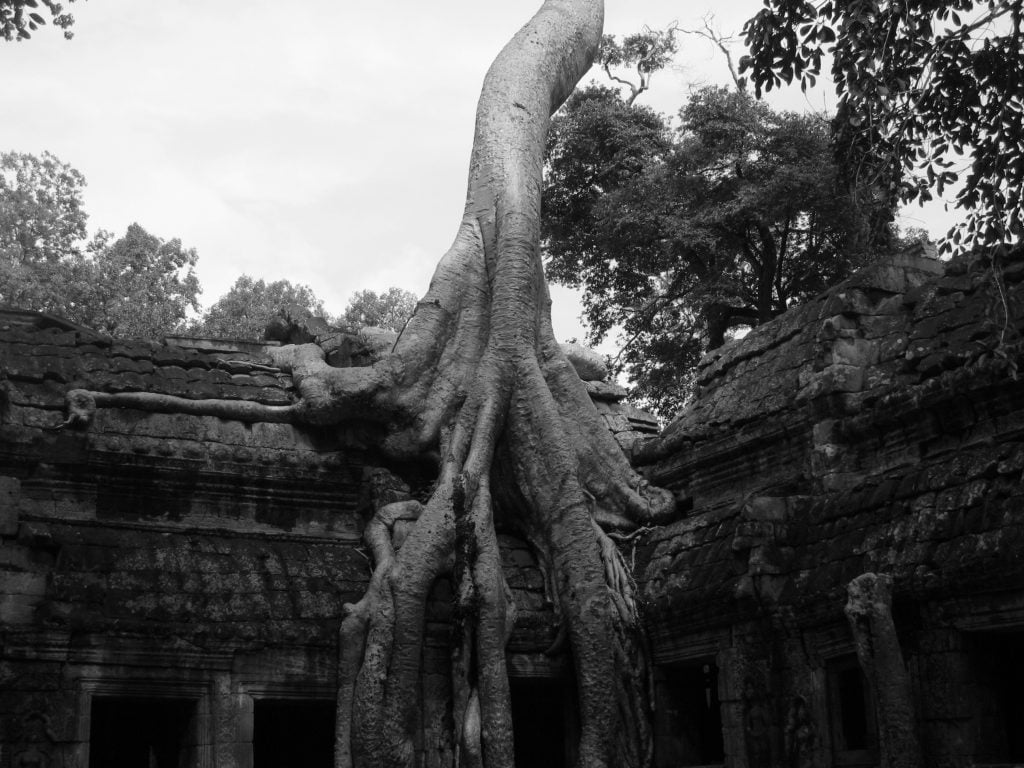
134	286
137	285
389	309
250	304
680	232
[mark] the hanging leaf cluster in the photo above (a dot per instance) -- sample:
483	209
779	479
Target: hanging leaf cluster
931	97
20	18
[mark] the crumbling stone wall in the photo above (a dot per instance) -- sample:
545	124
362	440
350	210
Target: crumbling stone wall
164	556
876	429
158	555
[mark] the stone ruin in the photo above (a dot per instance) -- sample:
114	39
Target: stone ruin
845	588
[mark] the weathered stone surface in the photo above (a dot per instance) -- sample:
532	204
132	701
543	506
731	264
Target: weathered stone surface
877	428
605	391
184	549
590	365
880	428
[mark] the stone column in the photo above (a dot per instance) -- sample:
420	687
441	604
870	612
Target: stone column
869	610
231	731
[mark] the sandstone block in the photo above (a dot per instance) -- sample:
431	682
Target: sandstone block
589	365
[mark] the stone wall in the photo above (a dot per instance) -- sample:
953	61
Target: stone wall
876	429
194	568
155	557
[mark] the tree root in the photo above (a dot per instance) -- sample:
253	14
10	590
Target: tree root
620	582
81	407
327	395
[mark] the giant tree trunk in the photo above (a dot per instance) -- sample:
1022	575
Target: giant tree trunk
517	434
478	381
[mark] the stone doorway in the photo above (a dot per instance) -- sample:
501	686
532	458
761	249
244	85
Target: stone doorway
289	733
543	719
998	696
853	723
137	732
688	717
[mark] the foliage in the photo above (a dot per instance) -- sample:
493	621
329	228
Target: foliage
680	235
136	286
41	224
390	310
927	91
249	305
20	18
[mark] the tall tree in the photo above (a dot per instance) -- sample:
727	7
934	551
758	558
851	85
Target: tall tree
679	235
249	305
930	94
478	384
20	18
42	224
390	309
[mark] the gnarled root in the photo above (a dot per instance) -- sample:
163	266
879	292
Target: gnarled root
392	504
327	395
593	588
81	406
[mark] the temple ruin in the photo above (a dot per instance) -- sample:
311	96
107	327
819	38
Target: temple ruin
845	586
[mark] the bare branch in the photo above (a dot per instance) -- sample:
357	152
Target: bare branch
634	90
719	40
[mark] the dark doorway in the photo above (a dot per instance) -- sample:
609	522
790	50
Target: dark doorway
852	718
852	714
293	734
688	718
542	723
998	671
141	733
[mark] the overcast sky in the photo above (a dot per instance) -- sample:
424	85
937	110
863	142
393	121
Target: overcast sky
324	142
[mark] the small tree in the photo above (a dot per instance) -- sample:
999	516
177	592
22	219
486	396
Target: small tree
390	310
42	226
137	286
249	305
641	55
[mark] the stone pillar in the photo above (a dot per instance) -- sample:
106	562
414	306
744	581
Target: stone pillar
231	727
750	722
730	693
947	700
869	610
